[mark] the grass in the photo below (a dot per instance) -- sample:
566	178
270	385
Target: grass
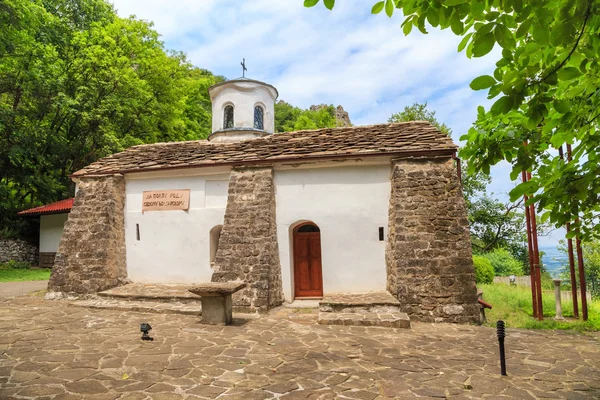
27	274
512	304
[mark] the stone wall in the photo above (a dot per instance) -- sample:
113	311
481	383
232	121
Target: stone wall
428	254
18	250
91	253
247	248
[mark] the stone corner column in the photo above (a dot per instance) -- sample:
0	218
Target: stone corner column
428	255
248	249
91	254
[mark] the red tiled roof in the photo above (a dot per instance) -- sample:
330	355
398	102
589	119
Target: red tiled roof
61	206
406	138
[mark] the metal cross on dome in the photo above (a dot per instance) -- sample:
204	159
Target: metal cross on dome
244	69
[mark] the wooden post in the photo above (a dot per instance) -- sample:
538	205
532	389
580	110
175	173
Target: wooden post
530	252
581	270
536	259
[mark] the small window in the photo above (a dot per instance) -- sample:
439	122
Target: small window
258	118
228	117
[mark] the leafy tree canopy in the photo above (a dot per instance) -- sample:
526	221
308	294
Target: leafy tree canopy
419	112
289	118
546	91
78	83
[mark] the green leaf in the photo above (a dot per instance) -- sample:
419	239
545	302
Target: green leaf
377	7
502	106
562	106
389	7
504	37
464	41
523	28
568	73
433	17
477	7
450	3
540	33
557	140
329	4
407	28
457	26
482	82
310	3
483	44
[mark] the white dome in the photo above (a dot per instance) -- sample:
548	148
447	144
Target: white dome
237	108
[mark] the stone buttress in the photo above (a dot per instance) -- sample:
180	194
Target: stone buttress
428	255
91	253
248	244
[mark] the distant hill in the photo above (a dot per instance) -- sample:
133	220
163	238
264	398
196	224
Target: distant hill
553	259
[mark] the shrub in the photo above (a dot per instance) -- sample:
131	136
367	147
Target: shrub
484	271
14	264
504	263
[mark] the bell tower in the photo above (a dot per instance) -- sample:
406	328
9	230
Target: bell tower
242	109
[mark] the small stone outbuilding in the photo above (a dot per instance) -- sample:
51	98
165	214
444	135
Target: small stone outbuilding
294	215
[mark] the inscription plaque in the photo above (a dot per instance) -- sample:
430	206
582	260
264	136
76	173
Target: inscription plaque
166	200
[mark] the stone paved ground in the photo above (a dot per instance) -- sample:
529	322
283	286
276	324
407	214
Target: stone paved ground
50	350
11	289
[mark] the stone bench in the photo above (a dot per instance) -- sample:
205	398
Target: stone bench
217	307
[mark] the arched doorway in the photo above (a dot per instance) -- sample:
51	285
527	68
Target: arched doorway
308	276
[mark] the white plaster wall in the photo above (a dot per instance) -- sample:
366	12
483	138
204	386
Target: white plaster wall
244	96
174	246
51	230
349	204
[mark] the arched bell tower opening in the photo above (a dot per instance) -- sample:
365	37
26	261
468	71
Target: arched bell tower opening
242	109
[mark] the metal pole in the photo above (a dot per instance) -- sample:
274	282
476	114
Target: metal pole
571	255
536	259
584	311
530	253
501	335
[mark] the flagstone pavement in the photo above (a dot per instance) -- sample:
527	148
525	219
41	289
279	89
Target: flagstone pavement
50	350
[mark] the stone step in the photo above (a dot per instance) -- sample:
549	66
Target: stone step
164	293
371	302
157	307
387	320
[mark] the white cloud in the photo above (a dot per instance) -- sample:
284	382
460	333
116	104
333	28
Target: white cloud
345	56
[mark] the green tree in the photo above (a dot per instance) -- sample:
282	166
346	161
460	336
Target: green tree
419	112
545	87
591	262
504	263
78	83
484	271
289	118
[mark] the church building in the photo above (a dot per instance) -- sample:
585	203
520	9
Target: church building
296	215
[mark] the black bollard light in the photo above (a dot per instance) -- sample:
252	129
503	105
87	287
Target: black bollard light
145	328
501	335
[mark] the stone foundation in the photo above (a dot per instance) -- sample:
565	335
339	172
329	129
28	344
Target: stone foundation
428	255
47	260
91	253
18	250
248	244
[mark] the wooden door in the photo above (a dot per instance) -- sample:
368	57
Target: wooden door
308	277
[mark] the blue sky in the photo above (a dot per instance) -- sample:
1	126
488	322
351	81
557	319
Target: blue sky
346	56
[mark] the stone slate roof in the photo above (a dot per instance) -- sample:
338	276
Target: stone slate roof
406	138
